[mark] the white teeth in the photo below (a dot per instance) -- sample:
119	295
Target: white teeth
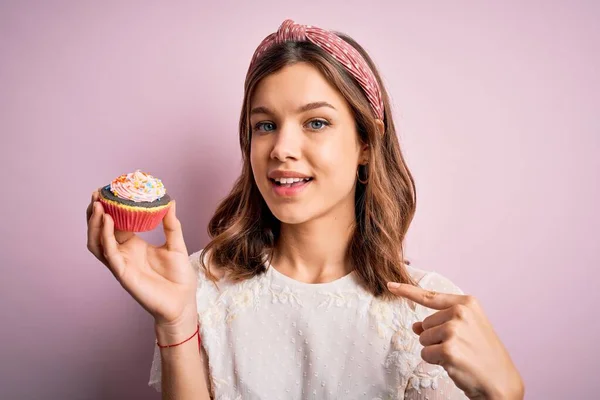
286	181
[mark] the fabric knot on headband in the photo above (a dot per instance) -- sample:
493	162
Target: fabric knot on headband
291	31
332	44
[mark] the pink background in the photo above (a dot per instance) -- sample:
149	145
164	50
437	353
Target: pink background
498	109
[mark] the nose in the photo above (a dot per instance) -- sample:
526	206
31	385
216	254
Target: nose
286	144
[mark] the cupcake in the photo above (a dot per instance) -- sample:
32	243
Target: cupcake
137	201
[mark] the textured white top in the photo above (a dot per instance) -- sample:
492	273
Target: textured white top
272	337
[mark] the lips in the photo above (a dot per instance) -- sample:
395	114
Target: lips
294	188
282	173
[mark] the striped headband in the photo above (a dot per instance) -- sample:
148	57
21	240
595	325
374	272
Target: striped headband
339	49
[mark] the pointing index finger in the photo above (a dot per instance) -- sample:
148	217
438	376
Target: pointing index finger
426	298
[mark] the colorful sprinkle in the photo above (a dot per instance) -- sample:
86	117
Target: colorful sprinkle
138	186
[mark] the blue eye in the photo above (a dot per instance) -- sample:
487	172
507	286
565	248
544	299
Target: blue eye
318	124
267	126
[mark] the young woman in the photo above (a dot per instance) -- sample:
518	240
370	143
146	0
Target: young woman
303	291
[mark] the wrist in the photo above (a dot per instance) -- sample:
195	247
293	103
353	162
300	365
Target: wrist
176	331
514	390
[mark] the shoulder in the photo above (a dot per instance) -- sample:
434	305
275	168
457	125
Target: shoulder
195	261
432	280
208	290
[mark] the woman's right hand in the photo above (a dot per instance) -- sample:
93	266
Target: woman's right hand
161	279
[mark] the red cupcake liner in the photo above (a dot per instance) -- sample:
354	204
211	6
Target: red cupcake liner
138	220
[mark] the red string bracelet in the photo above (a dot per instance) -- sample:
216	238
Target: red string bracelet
186	340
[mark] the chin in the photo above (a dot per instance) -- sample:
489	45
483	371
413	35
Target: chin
291	214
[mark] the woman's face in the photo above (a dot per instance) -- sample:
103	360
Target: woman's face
304	149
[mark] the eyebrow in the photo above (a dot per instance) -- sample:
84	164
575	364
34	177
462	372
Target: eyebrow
304	108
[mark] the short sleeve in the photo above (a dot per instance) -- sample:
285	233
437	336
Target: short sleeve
202	298
155	371
428	381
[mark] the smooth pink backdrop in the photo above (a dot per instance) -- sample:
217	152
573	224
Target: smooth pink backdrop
498	110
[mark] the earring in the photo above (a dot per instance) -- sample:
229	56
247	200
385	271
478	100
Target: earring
364	182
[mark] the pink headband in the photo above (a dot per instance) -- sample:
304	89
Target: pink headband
339	49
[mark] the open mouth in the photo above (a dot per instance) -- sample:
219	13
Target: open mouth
290	182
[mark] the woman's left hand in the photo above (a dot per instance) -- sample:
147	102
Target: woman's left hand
461	339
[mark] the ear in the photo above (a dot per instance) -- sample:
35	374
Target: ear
364	154
380	126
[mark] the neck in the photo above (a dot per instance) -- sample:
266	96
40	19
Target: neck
316	251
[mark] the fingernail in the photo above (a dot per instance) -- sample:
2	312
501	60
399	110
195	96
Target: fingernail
393	285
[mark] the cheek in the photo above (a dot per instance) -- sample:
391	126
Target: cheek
257	158
336	162
336	174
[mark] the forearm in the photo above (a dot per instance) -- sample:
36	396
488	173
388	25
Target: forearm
183	371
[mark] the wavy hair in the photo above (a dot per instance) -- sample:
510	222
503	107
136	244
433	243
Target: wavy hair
244	232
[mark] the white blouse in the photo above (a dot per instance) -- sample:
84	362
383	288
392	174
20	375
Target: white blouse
272	337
